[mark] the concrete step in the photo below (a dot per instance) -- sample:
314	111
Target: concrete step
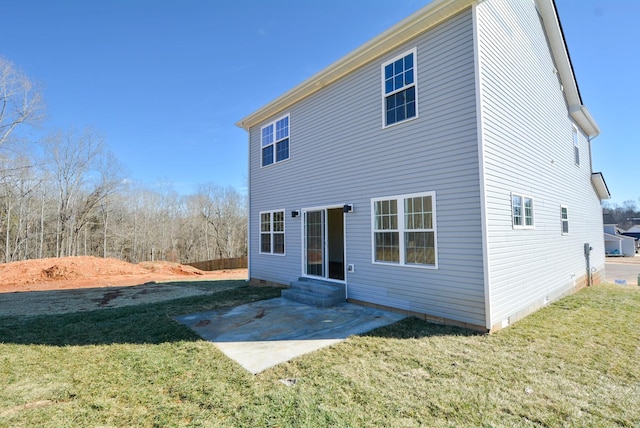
323	288
315	292
310	298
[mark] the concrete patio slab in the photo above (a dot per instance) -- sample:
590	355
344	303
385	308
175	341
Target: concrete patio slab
263	334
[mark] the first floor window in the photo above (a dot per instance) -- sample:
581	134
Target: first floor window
564	219
274	140
272	232
404	230
522	211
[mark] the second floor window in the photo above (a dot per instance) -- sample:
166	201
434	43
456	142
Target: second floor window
399	88
274	140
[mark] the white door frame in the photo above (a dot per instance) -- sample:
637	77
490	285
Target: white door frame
325	245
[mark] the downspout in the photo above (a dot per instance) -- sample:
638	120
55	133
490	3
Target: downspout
249	206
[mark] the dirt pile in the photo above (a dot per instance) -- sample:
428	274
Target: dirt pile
87	271
57	273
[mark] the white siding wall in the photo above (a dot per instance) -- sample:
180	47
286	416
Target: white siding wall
340	154
528	149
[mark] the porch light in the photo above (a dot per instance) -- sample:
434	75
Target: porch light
347	208
295	213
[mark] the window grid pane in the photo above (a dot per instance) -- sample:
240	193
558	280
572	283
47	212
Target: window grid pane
265	242
282	150
420	248
387	247
528	211
267	155
278	221
401	105
399	74
267	135
282	128
517	210
386	215
418	214
265	222
278	243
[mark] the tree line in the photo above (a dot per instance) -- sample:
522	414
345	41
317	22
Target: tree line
626	215
66	194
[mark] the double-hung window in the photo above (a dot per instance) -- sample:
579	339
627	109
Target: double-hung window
274	140
404	230
272	232
564	219
522	212
399	88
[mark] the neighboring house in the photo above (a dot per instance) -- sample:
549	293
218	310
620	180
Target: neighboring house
634	229
615	242
443	169
633	232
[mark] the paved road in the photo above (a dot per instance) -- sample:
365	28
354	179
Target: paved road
622	271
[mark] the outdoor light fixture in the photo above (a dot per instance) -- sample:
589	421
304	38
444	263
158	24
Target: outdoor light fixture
347	208
295	213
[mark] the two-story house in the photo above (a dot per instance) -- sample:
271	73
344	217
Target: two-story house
443	169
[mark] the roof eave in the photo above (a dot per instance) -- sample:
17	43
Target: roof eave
577	110
602	190
416	24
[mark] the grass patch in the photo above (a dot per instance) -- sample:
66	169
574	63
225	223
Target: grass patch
573	363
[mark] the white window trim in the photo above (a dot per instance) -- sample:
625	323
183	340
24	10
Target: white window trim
575	136
524	219
562	221
401	230
272	232
415	84
275	140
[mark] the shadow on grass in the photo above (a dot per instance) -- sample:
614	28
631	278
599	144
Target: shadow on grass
154	323
147	323
414	328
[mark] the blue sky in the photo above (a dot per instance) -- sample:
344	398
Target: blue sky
165	81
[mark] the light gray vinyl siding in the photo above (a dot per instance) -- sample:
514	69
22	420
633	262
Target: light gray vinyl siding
528	150
340	153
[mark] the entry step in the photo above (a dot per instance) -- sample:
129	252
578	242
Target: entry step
315	292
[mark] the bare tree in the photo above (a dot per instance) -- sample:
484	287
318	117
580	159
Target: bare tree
85	176
224	215
20	102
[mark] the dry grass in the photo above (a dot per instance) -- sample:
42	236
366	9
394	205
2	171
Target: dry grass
573	363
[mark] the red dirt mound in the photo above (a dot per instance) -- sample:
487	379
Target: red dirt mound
87	271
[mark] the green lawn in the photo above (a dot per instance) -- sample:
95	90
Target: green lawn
574	363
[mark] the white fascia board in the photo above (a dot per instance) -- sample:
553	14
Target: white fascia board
416	24
583	118
602	190
578	111
612	237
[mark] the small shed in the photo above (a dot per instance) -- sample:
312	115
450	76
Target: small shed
619	245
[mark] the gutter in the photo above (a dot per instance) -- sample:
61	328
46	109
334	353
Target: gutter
557	43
